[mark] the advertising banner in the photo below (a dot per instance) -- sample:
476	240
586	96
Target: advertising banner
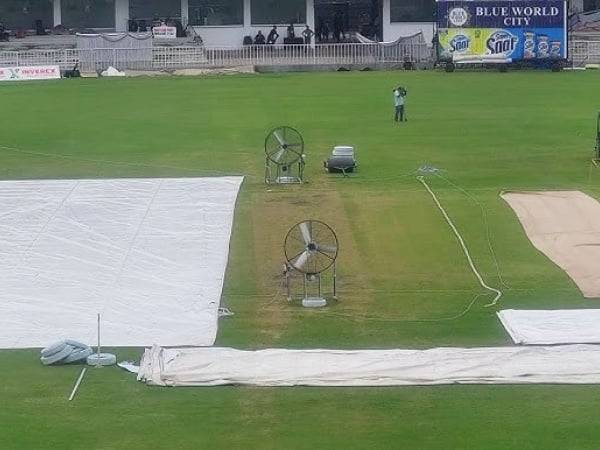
510	30
29	73
163	32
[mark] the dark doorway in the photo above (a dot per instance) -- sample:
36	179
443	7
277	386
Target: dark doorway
338	20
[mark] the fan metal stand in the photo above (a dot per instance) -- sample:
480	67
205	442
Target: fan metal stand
281	174
312	287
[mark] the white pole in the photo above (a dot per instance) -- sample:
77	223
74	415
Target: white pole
74	391
56	13
184	13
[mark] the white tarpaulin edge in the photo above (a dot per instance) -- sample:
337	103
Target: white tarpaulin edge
571	364
149	255
538	327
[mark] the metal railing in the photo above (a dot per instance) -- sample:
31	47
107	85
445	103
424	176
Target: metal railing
581	52
160	58
584	52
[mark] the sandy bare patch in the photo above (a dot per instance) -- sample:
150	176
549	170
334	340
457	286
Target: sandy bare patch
565	226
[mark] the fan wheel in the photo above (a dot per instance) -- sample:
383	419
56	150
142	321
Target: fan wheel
284	146
311	247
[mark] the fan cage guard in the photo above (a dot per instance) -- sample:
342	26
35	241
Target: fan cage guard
318	274
290	172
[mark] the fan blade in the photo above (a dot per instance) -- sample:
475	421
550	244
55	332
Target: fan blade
301	261
279	138
305	232
327	248
278	155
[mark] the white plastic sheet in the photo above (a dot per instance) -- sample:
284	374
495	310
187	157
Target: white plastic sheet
537	327
148	254
571	364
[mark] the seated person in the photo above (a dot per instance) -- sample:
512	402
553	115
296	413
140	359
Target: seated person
40	30
273	36
179	26
259	39
3	33
133	26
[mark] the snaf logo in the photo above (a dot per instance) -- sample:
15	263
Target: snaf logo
458	16
460	43
501	43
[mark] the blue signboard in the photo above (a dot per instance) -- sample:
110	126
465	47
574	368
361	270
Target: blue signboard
510	29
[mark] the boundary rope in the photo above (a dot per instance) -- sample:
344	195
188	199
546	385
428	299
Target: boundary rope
463	245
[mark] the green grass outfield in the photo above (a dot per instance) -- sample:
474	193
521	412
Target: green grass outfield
400	268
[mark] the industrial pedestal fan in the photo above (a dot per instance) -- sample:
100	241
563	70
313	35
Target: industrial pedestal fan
311	248
284	150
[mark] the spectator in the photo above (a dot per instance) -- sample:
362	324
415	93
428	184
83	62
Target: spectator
133	25
325	32
307	34
338	27
273	35
319	30
291	33
259	39
3	33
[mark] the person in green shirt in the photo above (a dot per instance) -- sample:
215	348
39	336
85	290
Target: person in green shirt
399	101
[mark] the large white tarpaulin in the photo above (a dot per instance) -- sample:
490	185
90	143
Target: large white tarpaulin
567	326
149	255
571	364
565	226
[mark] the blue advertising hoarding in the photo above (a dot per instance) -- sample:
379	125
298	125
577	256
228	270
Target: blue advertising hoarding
512	30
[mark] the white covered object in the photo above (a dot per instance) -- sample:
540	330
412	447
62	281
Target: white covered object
343	150
571	364
149	255
112	72
568	326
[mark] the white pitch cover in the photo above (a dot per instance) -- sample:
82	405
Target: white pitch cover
568	364
564	326
149	255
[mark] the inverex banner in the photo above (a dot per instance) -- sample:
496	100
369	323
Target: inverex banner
29	73
503	29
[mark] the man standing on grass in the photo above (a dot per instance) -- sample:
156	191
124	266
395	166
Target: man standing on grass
399	96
